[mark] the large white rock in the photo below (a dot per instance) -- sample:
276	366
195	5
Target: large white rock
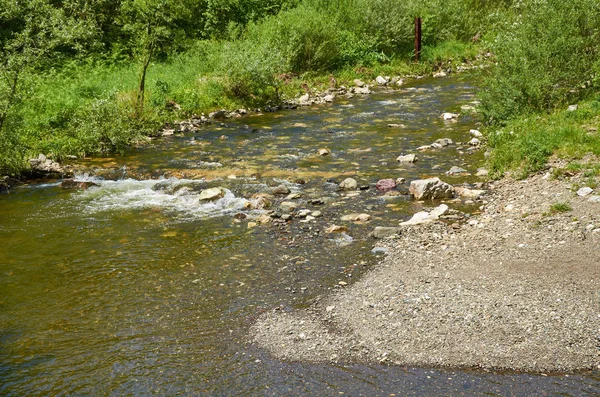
426	217
349	184
468	193
409	158
430	189
449	116
214	193
585	191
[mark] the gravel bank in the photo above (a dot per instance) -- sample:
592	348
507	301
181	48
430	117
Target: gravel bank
517	288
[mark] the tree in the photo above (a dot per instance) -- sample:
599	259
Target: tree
33	34
152	25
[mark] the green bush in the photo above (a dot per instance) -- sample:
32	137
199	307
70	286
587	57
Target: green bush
545	56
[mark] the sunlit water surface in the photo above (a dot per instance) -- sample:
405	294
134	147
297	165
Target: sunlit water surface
133	287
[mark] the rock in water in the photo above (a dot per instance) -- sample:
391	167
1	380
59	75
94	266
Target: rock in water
430	189
73	184
426	217
449	116
281	189
385	232
456	171
214	193
382	80
385	185
409	158
349	184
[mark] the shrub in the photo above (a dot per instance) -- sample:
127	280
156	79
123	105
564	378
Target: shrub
545	56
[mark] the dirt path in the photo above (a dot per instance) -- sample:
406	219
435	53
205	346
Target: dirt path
515	288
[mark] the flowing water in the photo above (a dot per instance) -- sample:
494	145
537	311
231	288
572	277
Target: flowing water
135	287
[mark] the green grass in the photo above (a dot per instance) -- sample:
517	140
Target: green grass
525	144
561	207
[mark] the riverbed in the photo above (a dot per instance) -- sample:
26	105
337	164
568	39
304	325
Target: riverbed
133	286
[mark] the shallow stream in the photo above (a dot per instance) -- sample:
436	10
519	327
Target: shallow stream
135	287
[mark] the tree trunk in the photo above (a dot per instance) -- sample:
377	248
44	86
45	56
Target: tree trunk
142	87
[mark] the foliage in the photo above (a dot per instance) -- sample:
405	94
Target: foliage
547	57
525	144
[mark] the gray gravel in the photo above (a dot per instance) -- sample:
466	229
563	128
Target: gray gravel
517	288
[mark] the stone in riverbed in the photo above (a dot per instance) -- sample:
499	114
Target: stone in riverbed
336	229
381	232
430	189
379	250
476	134
456	171
282	190
349	184
362	90
407	159
468	193
323	152
214	193
385	185
358	83
426	217
396	125
443	142
449	116
356	218
585	191
382	80
73	184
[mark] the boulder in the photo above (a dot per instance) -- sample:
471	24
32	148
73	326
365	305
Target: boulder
476	133
323	152
385	232
73	184
336	229
456	171
214	193
358	83
349	184
362	90
44	165
304	100
468	193
219	114
356	218
430	189
408	158
385	185
443	142
475	142
382	80
288	206
260	201
281	189
392	125
426	217
482	172
449	116
585	191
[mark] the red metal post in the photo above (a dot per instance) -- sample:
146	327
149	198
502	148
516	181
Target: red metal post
417	38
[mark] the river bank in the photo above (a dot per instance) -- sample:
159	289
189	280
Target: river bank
514	288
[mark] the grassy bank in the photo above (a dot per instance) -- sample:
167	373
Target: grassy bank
548	58
75	100
84	94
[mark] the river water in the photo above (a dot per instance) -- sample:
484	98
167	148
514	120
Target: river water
135	287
